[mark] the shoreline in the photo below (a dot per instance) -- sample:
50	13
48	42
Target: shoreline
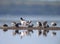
30	28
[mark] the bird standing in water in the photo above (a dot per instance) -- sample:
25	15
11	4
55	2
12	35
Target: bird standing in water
45	25
5	27
16	25
39	24
53	24
24	22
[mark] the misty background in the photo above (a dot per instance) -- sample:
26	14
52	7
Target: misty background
13	10
39	9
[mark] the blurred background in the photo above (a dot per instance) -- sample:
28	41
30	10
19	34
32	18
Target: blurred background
12	10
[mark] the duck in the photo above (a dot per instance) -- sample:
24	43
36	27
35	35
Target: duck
39	24
5	29
53	23
16	25
24	22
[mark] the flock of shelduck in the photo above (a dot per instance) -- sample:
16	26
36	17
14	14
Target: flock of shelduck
23	22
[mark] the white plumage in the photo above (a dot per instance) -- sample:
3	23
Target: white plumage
53	24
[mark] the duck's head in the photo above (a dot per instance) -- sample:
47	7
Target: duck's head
21	18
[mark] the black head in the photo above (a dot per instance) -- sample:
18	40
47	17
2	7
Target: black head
21	18
5	25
